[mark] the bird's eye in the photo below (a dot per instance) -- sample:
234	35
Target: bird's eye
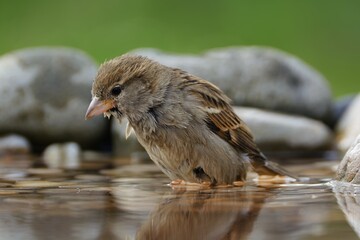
116	91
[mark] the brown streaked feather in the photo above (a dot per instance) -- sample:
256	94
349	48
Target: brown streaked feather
221	118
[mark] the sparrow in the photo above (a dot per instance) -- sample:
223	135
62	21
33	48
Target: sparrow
185	123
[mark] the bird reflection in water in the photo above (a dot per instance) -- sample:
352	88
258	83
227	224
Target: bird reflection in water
198	214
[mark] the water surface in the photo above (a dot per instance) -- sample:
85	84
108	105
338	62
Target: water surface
136	202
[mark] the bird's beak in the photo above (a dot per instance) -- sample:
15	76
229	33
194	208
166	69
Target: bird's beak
98	107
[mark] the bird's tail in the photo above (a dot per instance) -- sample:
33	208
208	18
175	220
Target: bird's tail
266	167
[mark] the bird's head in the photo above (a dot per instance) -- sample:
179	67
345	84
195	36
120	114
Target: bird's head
127	86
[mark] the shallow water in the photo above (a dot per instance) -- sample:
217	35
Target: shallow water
136	202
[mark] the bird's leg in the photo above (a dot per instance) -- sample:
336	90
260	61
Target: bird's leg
177	182
182	182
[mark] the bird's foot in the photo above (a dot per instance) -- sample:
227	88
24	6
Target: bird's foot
178	183
238	183
270	181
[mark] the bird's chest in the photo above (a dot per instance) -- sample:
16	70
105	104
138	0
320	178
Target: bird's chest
171	148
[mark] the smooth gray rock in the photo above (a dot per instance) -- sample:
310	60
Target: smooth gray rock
277	131
45	93
258	77
348	128
14	143
349	168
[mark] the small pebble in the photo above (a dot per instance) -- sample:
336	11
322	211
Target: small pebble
14	144
8	192
45	171
32	201
92	177
38	184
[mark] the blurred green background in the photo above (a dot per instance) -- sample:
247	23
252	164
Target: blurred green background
324	33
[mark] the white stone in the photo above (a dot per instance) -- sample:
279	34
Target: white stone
67	155
348	127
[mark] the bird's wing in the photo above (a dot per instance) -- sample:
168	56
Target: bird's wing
221	118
